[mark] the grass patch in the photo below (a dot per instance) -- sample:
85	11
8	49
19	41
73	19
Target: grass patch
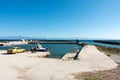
108	50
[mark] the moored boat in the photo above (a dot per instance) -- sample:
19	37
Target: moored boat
39	48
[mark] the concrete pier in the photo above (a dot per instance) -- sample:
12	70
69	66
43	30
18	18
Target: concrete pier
69	56
39	54
13	43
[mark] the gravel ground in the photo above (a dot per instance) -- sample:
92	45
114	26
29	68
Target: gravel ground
113	74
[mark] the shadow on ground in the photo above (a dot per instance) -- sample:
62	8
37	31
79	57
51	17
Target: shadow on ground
7	54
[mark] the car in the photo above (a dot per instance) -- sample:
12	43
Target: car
15	50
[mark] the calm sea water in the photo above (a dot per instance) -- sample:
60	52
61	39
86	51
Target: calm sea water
56	50
59	50
102	44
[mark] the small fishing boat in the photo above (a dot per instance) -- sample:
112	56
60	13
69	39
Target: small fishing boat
39	48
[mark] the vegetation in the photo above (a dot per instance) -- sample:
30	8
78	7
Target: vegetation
108	50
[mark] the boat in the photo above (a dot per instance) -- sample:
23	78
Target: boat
39	48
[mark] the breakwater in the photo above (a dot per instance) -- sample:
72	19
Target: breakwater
51	42
107	42
82	43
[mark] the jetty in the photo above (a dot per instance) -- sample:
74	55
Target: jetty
9	43
50	42
107	42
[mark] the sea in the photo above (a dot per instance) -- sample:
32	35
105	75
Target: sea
59	50
102	44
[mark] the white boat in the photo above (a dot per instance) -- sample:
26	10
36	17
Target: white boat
39	48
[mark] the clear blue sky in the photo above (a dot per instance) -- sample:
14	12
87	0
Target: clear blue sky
60	18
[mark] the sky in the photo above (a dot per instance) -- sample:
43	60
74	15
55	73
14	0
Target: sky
96	19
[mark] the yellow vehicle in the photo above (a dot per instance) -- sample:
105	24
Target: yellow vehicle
15	50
